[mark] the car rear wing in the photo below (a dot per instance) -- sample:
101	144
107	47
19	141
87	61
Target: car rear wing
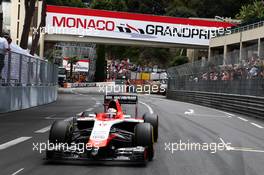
122	99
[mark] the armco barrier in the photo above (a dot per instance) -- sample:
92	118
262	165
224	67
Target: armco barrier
246	105
19	97
81	85
78	85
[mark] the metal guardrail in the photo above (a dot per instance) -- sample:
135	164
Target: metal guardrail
243	28
246	105
24	70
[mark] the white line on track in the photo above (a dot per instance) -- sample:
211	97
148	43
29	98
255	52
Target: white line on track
189	112
149	108
226	145
243	149
246	149
209	116
229	114
243	119
50	116
18	171
257	125
43	130
13	142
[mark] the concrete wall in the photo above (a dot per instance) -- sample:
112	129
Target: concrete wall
17	98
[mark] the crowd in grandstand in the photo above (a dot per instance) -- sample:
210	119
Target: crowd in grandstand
117	68
120	68
252	68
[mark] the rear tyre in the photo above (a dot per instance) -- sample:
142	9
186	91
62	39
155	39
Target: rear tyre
154	121
60	132
144	137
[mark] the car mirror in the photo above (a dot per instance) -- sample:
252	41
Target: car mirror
127	116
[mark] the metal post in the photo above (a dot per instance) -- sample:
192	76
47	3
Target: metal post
259	47
209	53
37	69
225	54
240	48
41	45
29	70
9	67
20	69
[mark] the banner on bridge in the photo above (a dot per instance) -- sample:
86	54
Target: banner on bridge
121	25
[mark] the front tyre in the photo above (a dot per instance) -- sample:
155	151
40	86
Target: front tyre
60	132
154	121
144	137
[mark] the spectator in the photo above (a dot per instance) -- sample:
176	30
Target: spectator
262	73
253	72
4	47
226	76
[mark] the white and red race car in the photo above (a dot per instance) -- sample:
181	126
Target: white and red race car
110	135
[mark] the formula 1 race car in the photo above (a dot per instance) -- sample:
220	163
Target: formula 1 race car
111	135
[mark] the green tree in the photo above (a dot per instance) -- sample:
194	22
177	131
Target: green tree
71	3
72	61
182	8
42	24
251	12
29	11
179	60
204	8
115	5
154	56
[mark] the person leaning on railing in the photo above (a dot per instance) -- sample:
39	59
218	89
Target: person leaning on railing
5	40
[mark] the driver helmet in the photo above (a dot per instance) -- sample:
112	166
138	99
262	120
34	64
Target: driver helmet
111	112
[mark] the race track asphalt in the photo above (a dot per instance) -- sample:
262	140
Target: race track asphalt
178	123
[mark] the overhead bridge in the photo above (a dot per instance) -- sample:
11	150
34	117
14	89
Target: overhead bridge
122	28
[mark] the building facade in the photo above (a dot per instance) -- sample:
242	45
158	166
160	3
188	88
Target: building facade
244	43
14	16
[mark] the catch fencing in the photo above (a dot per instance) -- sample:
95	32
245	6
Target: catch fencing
246	78
24	70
